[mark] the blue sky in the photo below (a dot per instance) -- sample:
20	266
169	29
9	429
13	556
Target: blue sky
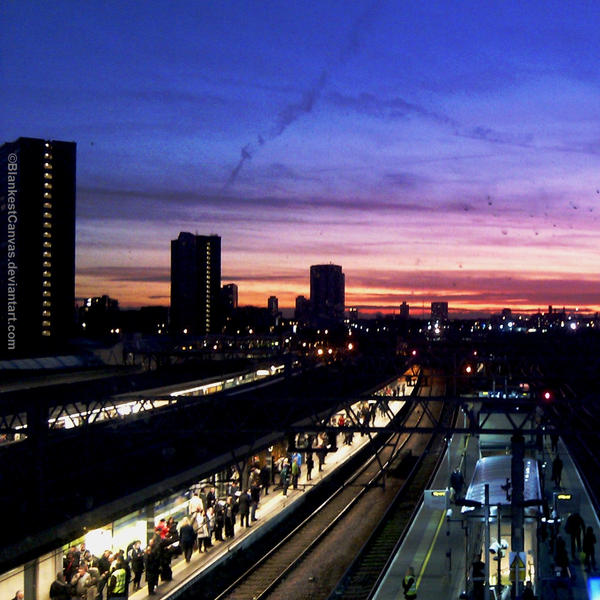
437	151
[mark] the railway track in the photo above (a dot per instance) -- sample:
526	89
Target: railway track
311	560
582	437
362	576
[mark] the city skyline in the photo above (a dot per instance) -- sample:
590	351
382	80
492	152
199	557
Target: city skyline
445	153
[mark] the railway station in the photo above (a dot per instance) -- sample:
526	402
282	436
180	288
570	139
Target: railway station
488	525
36	576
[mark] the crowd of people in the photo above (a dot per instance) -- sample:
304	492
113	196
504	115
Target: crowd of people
210	518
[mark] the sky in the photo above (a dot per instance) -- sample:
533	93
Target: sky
438	151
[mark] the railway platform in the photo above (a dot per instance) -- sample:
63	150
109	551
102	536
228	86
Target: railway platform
436	548
272	508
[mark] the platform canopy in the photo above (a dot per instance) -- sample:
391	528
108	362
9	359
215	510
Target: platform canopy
496	471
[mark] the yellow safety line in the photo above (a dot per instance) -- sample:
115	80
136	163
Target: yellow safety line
437	532
430	551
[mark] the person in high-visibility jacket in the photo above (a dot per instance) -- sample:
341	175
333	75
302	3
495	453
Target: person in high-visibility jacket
409	584
117	584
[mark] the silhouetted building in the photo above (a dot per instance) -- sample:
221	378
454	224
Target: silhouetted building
302	311
99	315
273	306
229	298
353	315
37	245
195	284
327	292
404	311
439	311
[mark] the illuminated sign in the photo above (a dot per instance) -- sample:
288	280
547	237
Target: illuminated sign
435	499
564	496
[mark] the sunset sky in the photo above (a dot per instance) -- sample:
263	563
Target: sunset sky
438	151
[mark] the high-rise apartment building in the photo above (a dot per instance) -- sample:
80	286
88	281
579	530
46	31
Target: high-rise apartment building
439	311
37	245
302	311
273	306
327	292
229	298
404	311
195	284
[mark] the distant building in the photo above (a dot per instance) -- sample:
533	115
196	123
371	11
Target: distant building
99	315
439	311
229	296
404	311
273	306
353	315
302	311
37	245
195	284
327	292
151	320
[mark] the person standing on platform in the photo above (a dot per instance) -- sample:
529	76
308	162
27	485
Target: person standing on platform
295	473
211	497
254	500
244	508
557	467
528	591
589	542
575	527
81	581
310	463
117	584
284	476
104	569
136	560
229	511
202	531
457	481
195	504
265	479
60	589
187	537
152	566
219	520
409	584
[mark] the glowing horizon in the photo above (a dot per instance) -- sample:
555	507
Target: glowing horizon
436	152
